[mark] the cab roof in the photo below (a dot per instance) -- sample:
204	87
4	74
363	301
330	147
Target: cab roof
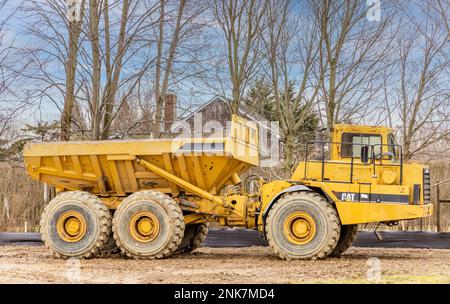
341	128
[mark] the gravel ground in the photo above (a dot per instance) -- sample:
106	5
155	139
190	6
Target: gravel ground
31	264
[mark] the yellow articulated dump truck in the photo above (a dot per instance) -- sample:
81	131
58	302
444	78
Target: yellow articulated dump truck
152	198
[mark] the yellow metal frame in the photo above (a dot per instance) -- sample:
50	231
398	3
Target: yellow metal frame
360	213
340	129
108	168
390	199
180	182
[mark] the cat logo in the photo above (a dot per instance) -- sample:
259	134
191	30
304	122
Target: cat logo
349	197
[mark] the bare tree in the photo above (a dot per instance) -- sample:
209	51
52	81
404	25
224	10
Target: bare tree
442	8
11	68
74	24
241	23
422	98
162	81
112	55
352	51
178	50
55	28
291	49
103	68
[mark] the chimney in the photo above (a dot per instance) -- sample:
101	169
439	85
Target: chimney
170	111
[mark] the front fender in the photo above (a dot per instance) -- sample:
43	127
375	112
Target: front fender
269	205
272	201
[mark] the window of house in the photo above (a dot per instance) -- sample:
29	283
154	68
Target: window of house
352	143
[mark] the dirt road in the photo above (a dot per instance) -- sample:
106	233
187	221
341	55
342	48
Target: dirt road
34	264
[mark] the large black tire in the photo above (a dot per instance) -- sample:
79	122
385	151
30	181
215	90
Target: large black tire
326	226
170	222
97	220
110	247
194	235
346	239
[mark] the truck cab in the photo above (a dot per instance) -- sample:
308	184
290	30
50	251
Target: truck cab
350	141
362	167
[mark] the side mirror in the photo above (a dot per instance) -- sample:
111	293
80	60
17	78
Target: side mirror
365	154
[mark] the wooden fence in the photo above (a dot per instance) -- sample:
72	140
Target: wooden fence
439	202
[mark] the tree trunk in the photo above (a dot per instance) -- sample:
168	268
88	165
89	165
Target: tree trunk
289	150
112	88
96	67
158	99
71	67
161	98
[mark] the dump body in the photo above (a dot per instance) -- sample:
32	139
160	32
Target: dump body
109	169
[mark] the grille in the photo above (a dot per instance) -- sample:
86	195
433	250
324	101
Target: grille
426	187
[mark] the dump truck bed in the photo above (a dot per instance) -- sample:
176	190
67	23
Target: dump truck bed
108	168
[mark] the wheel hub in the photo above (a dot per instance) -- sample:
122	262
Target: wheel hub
71	226
144	226
299	228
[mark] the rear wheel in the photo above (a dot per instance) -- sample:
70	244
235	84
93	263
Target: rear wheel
302	225
110	246
148	225
346	239
75	224
194	235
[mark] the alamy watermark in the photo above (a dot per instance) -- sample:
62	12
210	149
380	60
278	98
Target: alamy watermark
73	270
236	138
374	270
373	10
73	12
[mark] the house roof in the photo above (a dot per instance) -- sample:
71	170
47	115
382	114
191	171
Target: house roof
244	111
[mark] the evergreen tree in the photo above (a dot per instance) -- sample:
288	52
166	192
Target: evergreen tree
260	100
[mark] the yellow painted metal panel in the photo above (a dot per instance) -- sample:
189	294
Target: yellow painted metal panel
120	157
168	165
131	176
77	164
198	172
116	178
181	182
359	213
109	163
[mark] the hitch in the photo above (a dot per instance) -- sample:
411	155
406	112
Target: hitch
377	234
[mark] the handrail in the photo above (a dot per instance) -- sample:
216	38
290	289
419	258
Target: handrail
372	157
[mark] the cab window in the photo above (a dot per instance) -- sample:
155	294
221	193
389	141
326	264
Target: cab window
352	143
393	147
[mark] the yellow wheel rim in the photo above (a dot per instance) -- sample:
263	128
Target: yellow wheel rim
144	226
71	226
299	228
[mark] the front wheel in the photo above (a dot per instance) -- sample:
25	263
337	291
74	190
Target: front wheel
346	239
302	225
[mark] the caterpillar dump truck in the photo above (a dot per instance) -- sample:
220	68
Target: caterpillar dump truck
152	198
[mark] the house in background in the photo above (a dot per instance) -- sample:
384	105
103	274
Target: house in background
218	111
